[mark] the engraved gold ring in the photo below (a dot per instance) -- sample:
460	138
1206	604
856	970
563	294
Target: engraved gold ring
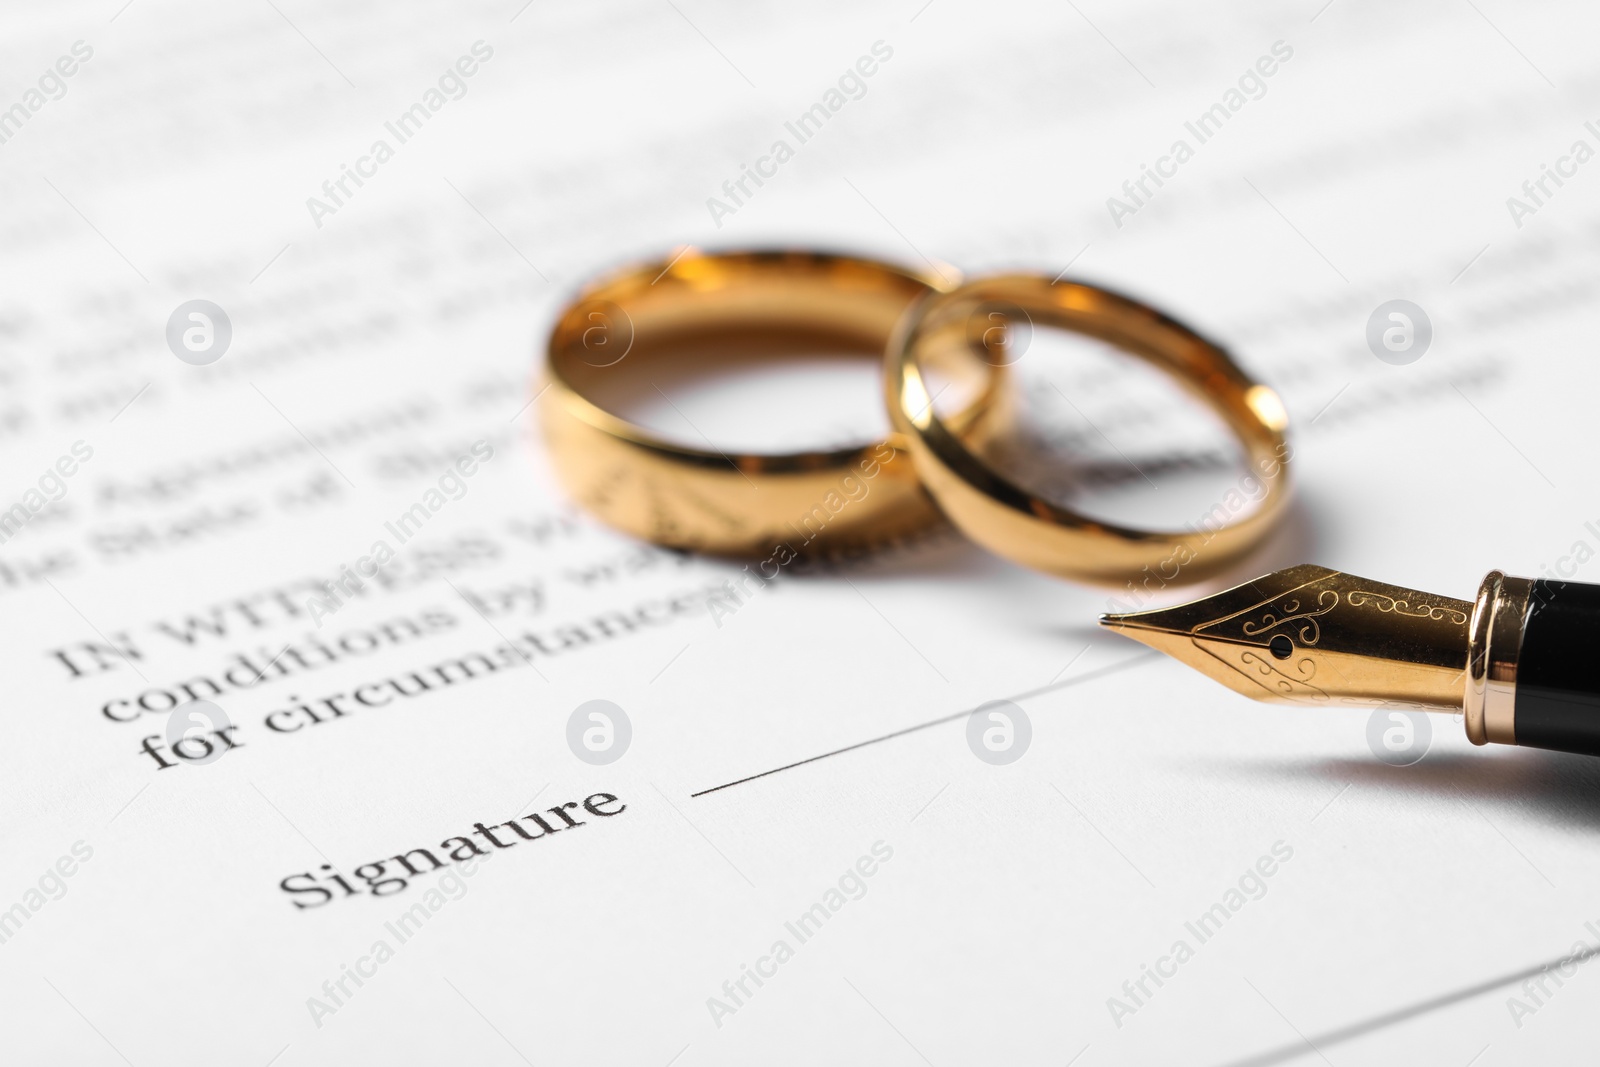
705	499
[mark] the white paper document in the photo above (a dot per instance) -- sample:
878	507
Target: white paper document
404	832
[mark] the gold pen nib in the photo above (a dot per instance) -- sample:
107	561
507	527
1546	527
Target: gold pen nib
1310	635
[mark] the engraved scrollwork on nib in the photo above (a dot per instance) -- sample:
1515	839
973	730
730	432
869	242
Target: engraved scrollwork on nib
1257	662
1315	636
1362	597
1290	611
1276	680
1298	685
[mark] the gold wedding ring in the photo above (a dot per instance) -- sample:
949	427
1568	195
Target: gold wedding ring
1018	524
704	499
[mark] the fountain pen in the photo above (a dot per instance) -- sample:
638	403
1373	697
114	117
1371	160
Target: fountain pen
1521	662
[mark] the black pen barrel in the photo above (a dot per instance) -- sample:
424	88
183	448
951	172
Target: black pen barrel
1557	703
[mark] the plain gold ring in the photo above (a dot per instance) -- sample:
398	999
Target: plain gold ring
1015	523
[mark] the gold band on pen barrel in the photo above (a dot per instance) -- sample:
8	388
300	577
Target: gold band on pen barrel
1498	614
705	499
1022	526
